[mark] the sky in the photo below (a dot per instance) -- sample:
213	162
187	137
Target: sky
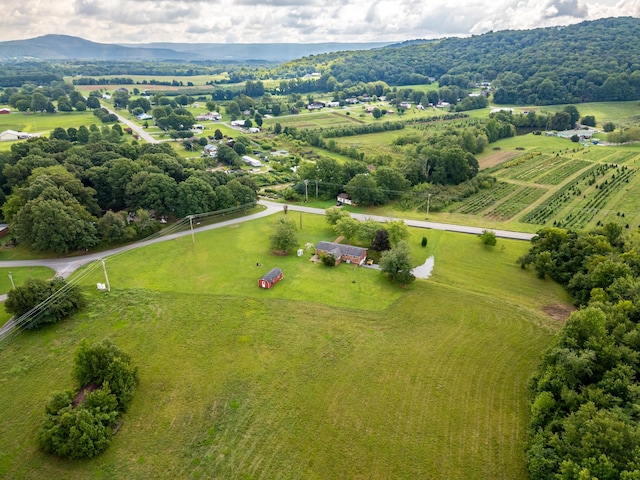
295	21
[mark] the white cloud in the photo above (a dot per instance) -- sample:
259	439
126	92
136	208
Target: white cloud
250	21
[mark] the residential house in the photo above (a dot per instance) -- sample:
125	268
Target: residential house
144	116
342	253
270	278
211	116
406	105
351	100
332	104
253	162
345	199
12	135
237	123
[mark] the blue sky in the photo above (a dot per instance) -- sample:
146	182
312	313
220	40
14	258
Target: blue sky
253	21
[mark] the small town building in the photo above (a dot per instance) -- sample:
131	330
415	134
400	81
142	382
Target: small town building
211	116
12	135
270	278
253	162
144	116
345	199
342	253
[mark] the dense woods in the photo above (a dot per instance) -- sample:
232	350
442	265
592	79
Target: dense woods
63	195
584	412
590	61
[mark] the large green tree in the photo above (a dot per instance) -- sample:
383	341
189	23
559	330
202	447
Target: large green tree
396	263
284	238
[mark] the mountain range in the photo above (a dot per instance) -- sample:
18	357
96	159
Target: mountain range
65	47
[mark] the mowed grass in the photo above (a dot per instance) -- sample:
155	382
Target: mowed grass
45	122
251	383
20	275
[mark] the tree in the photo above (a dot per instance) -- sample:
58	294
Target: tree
488	238
112	228
398	231
23	299
574	114
217	134
588	120
377	113
333	214
609	127
364	190
284	239
367	231
104	362
50	224
381	241
194	196
347	227
151	191
396	264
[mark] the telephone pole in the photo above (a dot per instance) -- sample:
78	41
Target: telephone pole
428	201
11	278
106	277
306	190
193	237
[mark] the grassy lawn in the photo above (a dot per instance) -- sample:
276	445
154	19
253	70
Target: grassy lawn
44	123
312	379
20	275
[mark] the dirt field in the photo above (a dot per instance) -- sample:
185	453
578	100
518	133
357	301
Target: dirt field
497	158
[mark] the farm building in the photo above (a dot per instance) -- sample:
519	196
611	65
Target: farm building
251	161
270	278
9	135
345	199
5	111
342	253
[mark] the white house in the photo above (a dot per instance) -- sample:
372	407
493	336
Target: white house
12	135
332	104
144	116
345	199
251	161
237	123
405	105
209	116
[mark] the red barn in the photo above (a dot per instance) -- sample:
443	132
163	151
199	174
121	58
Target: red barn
270	278
5	111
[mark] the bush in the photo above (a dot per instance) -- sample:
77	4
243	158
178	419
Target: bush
68	299
328	259
424	241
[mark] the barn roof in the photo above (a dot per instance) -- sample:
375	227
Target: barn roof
337	249
271	275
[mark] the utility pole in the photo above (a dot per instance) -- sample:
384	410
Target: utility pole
428	201
306	190
11	278
106	277
300	220
193	237
317	188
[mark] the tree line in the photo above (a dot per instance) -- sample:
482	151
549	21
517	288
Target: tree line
63	195
584	420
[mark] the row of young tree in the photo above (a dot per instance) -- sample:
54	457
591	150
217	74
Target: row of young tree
59	96
64	195
584	419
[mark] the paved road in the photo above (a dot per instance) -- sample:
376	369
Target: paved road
66	266
146	136
413	223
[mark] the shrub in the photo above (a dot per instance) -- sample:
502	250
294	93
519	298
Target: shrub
424	241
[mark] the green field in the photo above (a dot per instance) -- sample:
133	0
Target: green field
333	373
45	122
20	274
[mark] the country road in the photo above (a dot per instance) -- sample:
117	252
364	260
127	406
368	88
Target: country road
144	135
66	266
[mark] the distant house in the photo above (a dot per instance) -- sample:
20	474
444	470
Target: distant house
351	100
343	198
12	135
5	111
270	278
215	116
406	105
315	106
420	106
144	116
211	150
251	161
332	104
342	253
237	123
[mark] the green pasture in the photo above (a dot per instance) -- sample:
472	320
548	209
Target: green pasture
45	122
20	274
620	113
196	80
319	377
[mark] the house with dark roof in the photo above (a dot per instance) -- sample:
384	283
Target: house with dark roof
270	278
342	253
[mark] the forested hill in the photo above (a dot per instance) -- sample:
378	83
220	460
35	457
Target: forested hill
589	61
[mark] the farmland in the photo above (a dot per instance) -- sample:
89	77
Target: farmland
308	380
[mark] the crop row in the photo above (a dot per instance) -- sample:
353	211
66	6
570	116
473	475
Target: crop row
595	202
518	202
622	157
565	194
557	175
535	168
486	198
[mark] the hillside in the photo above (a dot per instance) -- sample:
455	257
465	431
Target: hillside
590	61
64	47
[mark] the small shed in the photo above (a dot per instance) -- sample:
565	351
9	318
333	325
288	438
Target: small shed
270	278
